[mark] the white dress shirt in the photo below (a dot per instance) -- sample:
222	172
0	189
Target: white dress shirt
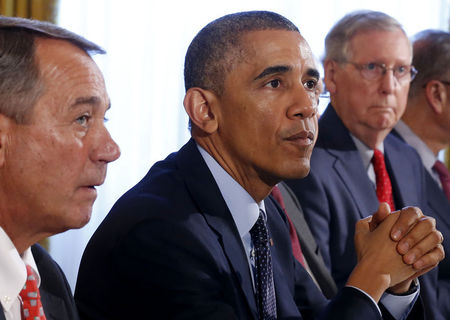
398	306
13	275
243	208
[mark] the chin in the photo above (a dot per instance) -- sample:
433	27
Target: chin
79	219
300	171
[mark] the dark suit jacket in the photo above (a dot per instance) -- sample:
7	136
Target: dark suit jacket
310	249
337	193
56	295
169	249
439	208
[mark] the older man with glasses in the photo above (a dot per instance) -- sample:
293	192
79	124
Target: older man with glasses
356	163
426	127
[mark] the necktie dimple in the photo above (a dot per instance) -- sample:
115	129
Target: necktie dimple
31	299
296	247
265	291
384	186
444	176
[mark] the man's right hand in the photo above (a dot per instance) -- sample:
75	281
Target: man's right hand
394	248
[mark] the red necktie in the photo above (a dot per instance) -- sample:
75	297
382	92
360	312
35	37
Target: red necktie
31	299
384	187
444	176
296	248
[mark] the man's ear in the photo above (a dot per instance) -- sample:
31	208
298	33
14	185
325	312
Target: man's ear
436	95
329	67
201	106
5	128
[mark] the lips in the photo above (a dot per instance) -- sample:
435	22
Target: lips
303	138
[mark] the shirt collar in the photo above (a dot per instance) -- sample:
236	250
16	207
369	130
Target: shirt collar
365	152
244	209
427	156
13	272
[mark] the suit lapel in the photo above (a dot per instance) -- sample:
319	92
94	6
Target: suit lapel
335	137
2	314
308	244
437	200
209	200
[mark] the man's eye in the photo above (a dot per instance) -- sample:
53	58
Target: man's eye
371	66
83	120
274	83
311	84
401	70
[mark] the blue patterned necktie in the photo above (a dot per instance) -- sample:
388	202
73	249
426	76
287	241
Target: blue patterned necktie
265	292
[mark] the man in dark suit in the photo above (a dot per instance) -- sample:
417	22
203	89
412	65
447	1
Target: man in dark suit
312	257
367	72
54	150
196	238
425	126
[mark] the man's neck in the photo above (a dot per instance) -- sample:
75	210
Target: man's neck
246	177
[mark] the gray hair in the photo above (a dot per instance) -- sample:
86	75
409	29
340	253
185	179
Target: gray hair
431	58
20	82
338	39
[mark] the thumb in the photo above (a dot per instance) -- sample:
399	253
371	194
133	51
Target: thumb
383	211
362	229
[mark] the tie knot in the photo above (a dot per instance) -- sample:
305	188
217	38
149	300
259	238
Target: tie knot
259	233
441	170
31	299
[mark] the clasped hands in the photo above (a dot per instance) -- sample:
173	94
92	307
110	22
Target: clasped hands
394	248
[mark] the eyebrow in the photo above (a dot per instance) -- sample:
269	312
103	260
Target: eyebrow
92	100
313	73
273	70
283	69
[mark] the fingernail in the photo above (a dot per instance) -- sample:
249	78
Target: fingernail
410	258
418	264
396	235
403	247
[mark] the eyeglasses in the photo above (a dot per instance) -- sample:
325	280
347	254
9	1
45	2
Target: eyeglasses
374	71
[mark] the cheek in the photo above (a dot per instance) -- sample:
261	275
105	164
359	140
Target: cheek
57	154
402	99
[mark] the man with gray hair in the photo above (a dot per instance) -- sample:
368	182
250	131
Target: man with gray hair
425	126
356	163
54	150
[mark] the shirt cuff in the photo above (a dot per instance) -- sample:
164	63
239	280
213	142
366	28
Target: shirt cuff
399	306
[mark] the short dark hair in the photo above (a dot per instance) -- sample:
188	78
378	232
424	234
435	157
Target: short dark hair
20	82
212	52
431	57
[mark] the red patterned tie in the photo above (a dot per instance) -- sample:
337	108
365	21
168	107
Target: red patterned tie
296	248
444	176
31	299
384	187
